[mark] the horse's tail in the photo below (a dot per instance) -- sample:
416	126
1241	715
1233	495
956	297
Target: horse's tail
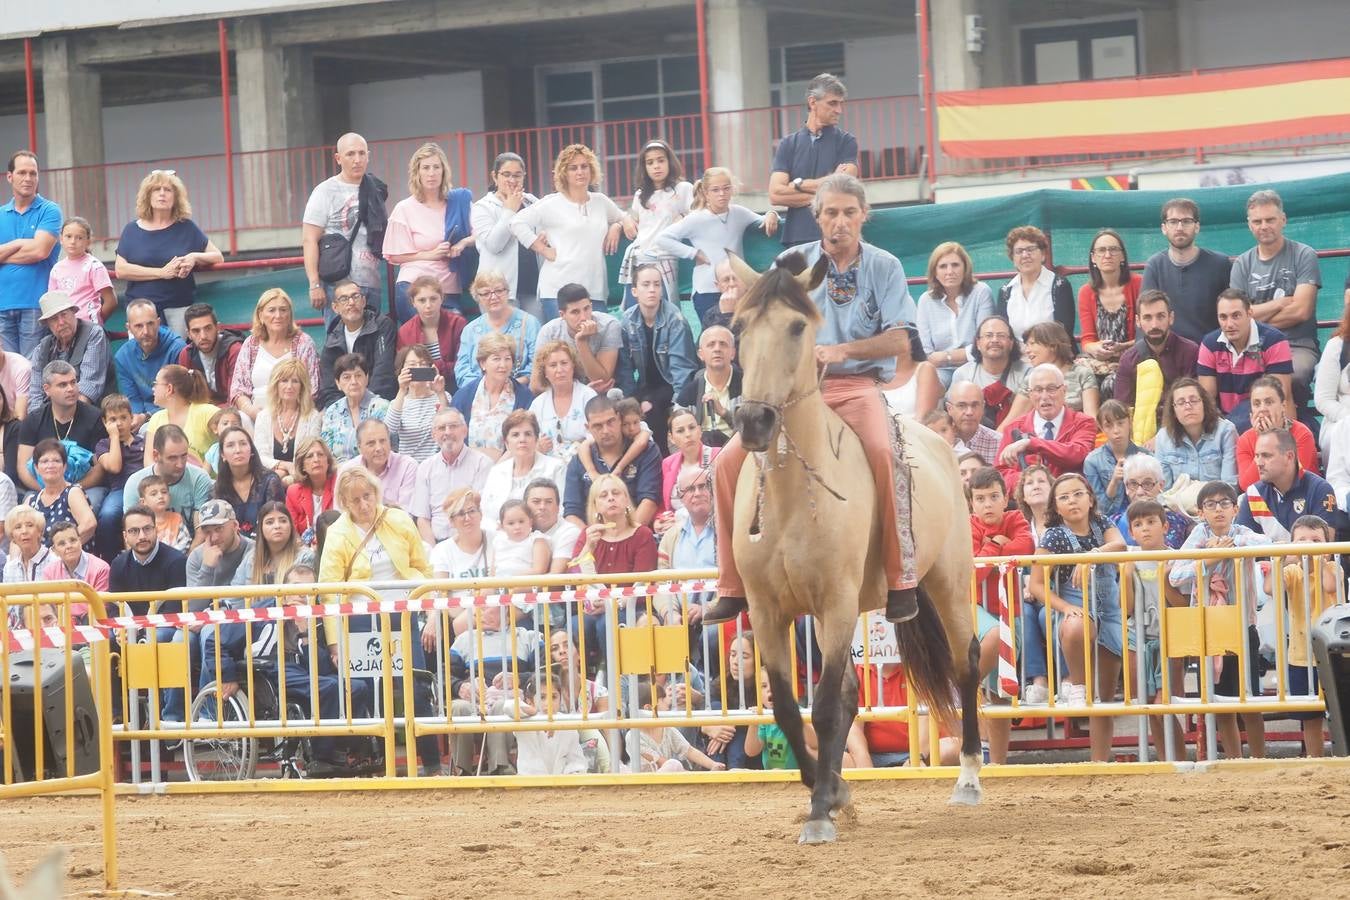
928	661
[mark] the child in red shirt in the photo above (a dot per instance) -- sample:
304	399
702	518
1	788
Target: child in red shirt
995	531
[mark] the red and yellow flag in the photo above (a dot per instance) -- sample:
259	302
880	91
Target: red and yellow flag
1148	114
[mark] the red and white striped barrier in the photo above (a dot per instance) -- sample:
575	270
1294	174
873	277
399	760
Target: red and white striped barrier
54	638
458	600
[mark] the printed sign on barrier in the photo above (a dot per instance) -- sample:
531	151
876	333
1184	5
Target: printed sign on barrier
881	641
364	656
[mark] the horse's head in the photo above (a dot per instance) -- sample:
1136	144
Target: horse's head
776	321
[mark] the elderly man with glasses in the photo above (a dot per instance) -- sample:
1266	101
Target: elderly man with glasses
1051	434
1144	481
357	328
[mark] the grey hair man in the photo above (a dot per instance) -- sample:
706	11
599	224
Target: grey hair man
451	467
819	148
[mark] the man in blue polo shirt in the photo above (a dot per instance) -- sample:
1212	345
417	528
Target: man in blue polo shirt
30	225
820	148
1285	492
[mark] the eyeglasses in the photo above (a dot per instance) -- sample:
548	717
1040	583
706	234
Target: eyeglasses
466	513
695	488
1046	389
141	529
348	298
1147	484
1109	251
1215	505
1183	402
492	292
994	336
1180	223
1065	498
1025	251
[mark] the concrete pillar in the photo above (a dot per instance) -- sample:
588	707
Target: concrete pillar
954	67
72	98
738	79
278	109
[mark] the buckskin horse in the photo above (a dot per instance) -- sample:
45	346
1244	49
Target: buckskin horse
808	542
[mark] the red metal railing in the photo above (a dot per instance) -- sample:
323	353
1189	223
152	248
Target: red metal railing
270	187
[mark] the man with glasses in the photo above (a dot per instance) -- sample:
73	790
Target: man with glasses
1174	354
451	467
1191	276
1144	481
1286	491
1052	434
965	404
357	328
996	368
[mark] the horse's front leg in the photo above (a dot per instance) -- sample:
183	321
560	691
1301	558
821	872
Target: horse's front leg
772	632
831	715
968	791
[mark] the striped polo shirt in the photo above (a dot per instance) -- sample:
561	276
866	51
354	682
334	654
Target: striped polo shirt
1266	353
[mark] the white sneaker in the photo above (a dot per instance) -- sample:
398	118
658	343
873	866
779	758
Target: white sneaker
1071	694
1035	694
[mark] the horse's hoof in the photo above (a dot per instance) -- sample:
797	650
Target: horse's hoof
966	795
818	831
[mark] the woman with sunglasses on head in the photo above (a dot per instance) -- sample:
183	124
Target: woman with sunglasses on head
1035	294
573	230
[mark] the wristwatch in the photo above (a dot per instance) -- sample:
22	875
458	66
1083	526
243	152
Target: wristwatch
797	183
315	284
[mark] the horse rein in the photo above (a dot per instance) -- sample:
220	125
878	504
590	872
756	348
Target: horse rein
787	443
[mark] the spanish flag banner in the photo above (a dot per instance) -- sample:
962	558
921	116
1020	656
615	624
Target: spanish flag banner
1178	112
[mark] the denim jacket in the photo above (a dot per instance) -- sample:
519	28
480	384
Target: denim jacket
1212	458
1098	467
674	344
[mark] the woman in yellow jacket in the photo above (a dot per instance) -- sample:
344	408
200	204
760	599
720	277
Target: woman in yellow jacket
375	543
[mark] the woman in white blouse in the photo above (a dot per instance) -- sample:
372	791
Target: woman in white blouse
572	230
951	309
1035	294
1331	387
520	464
498	249
560	401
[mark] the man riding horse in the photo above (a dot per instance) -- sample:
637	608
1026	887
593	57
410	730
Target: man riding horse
865	305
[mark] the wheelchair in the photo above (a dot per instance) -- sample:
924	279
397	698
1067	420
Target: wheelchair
237	758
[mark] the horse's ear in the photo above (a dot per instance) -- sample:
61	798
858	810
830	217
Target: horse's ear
744	272
812	277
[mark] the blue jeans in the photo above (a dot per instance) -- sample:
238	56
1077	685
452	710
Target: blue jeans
403	308
107	506
548	308
19	330
173	701
373	297
1031	640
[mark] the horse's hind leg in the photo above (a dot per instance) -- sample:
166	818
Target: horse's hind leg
772	634
831	719
848	704
968	791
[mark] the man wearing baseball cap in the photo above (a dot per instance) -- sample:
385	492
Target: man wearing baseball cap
213	563
82	344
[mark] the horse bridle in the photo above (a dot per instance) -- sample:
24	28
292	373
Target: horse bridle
785	437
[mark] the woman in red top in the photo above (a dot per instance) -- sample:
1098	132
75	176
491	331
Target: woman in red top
312	493
1267	402
1106	306
613	542
433	327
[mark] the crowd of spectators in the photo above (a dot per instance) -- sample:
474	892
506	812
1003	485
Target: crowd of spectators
506	419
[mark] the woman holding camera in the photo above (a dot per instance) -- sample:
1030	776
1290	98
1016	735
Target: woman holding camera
421	394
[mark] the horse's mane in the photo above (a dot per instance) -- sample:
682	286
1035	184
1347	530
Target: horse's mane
778	285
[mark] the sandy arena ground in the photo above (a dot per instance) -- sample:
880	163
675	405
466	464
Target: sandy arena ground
1259	833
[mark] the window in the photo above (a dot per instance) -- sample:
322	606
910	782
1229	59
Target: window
638	100
1080	52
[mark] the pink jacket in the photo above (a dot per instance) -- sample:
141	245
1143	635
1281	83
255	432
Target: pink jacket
96	576
670	472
